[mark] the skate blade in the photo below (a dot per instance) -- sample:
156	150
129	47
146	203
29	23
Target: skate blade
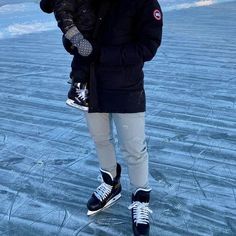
71	103
110	203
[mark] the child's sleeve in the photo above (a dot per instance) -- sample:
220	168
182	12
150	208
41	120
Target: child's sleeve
63	11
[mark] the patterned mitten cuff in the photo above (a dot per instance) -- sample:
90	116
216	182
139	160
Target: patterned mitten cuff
74	35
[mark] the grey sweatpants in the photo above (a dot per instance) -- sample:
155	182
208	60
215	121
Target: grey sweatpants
131	137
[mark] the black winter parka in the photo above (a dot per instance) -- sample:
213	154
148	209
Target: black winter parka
132	33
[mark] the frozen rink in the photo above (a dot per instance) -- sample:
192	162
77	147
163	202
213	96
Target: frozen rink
48	165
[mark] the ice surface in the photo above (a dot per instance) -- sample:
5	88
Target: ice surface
48	165
24	18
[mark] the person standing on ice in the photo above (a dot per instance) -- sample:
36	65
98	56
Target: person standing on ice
129	35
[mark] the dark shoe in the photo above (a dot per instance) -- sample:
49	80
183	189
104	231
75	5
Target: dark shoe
78	96
107	193
140	212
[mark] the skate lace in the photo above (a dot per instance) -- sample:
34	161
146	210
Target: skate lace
82	94
103	191
140	212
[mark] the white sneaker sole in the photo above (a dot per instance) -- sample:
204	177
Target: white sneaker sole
71	103
109	203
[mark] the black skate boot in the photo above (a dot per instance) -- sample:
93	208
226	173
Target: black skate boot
78	96
140	212
107	193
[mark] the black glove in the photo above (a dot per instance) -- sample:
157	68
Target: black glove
47	6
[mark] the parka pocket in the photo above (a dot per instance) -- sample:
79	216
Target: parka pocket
134	77
120	77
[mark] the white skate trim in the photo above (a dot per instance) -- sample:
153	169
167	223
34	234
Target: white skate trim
109	203
71	103
142	189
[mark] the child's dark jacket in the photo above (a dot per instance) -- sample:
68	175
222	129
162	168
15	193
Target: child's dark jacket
71	13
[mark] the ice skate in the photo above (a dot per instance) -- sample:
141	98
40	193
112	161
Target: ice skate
78	96
106	194
140	212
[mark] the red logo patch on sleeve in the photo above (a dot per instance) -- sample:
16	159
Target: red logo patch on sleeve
157	14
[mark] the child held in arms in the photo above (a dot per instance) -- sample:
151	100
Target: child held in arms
77	23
